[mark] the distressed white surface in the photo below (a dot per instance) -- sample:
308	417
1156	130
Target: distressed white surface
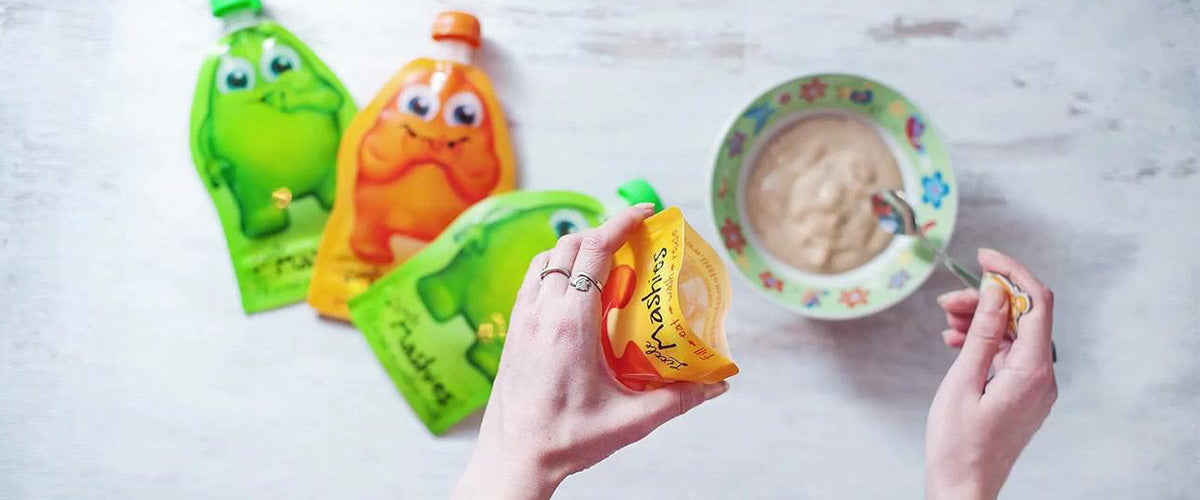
128	371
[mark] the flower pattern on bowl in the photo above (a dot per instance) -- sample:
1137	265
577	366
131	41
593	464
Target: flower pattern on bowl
735	144
812	298
935	189
855	297
770	282
731	233
813	90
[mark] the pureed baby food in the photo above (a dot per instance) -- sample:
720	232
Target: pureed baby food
807	194
664	306
267	117
432	143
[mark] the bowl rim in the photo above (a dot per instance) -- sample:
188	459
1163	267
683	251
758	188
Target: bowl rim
726	256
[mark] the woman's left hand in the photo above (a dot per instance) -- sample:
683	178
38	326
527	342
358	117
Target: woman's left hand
555	409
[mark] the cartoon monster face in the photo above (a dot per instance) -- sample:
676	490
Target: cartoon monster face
273	125
274	118
261	68
437	117
481	282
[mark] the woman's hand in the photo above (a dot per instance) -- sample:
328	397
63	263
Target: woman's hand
977	427
555	409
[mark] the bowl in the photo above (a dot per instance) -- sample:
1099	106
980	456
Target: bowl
929	186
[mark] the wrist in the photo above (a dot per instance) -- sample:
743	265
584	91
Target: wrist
965	489
492	473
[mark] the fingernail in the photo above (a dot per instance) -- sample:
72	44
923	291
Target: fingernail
645	207
992	297
941	299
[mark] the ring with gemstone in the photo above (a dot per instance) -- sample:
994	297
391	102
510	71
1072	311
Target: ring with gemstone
583	283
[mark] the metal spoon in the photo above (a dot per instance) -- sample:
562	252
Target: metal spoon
896	216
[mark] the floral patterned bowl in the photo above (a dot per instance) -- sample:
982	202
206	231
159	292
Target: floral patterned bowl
928	185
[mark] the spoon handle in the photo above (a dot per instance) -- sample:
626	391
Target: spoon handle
968	278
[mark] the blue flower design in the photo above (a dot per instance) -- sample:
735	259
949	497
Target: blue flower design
759	113
935	188
735	144
897	280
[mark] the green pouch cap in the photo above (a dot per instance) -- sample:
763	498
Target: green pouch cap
223	7
639	191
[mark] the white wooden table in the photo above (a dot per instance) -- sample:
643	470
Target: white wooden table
127	369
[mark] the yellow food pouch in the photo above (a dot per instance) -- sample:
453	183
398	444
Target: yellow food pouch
664	307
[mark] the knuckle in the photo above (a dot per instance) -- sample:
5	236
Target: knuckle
567	241
593	242
532	321
1052	392
687	399
990	329
563	326
1041	378
1047	296
539	260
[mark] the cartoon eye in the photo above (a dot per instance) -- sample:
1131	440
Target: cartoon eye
277	59
464	110
418	99
234	74
565	221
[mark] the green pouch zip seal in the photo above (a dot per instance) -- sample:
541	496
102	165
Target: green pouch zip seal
437	322
267	120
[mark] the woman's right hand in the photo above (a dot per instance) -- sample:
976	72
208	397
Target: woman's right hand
978	426
555	409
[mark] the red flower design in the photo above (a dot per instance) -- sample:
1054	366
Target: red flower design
813	90
855	297
770	282
785	98
732	234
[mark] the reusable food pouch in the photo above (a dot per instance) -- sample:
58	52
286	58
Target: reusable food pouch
432	143
664	306
267	118
438	321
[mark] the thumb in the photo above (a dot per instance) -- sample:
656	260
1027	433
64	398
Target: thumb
675	399
988	327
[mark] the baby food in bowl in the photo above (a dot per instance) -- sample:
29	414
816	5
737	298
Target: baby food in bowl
791	193
804	197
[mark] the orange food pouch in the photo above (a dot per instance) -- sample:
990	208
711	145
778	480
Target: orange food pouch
664	307
432	143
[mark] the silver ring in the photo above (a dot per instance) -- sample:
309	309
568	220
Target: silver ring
551	270
583	283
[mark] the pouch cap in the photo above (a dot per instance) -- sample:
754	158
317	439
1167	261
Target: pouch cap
456	25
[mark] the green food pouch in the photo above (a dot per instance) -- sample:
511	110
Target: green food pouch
437	322
267	119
